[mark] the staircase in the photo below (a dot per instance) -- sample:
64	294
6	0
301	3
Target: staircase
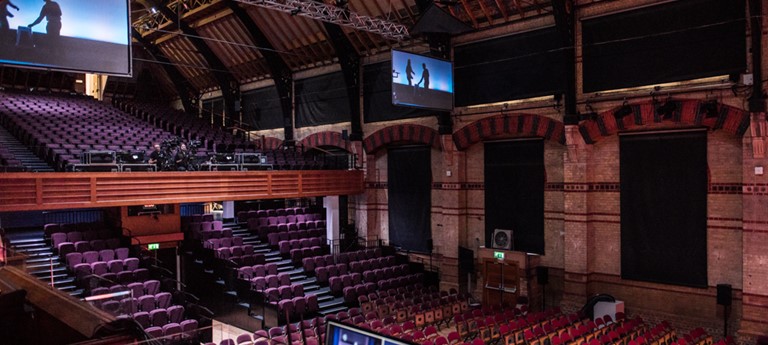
328	304
42	263
28	159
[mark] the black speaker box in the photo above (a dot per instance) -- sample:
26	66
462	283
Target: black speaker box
542	275
430	245
724	294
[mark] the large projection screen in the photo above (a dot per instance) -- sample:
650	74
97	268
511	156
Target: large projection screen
71	35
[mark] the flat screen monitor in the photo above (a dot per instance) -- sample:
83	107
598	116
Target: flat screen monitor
90	36
421	81
338	333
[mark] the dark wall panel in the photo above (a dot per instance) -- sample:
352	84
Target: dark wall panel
664	208
676	41
513	67
321	100
514	192
409	186
261	108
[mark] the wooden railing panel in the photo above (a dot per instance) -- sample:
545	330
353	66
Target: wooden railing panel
48	191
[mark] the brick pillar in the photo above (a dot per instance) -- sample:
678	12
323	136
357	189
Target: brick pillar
576	198
447	218
755	230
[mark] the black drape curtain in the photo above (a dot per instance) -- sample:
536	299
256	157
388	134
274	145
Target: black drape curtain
322	100
409	186
674	41
514	192
513	67
377	96
261	108
664	208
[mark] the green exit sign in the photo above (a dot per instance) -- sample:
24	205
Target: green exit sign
498	255
153	246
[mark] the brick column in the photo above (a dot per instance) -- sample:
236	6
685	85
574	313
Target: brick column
447	215
755	230
575	209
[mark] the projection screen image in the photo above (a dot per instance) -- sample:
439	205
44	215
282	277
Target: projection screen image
72	35
421	81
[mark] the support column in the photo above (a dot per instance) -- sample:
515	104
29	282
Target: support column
754	319
447	216
576	199
332	221
229	210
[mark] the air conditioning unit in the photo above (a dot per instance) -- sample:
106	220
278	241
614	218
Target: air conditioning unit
502	239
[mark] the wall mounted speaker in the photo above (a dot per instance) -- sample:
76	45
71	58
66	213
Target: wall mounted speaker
724	294
542	275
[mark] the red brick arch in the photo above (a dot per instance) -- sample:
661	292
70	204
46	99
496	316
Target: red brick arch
326	138
509	126
401	134
689	112
272	143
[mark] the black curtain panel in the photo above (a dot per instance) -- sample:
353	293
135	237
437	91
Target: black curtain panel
514	192
321	100
664	208
377	96
261	108
409	186
512	67
674	41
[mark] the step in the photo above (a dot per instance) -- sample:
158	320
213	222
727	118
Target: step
39	260
36	250
63	282
22	241
43	271
338	301
30	245
305	281
57	277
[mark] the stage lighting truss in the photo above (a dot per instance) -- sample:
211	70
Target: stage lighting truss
334	15
340	15
155	19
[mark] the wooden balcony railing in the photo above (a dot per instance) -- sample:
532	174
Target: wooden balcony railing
48	191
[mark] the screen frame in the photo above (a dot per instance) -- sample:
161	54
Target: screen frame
385	340
35	66
453	74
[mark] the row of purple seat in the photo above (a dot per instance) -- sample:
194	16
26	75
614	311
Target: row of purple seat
110	279
77	236
257	270
92	256
264	231
233	251
172	333
255	222
261	283
275	238
275	294
147	303
323	273
216	243
138	289
159	317
243	216
285	247
89	230
297	307
100	268
351	293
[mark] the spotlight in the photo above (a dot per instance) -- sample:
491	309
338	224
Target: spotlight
589	113
342	3
153	10
667	110
296	11
710	109
625	110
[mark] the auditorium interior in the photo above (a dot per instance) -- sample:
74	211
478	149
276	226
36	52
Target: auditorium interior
429	172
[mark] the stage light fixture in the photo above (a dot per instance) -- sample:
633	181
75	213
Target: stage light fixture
625	110
710	109
667	110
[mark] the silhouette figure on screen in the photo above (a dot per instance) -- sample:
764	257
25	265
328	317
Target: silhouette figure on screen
409	73
424	76
4	15
52	12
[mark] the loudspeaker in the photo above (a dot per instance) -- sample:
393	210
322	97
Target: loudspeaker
344	134
430	245
236	106
724	294
542	275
